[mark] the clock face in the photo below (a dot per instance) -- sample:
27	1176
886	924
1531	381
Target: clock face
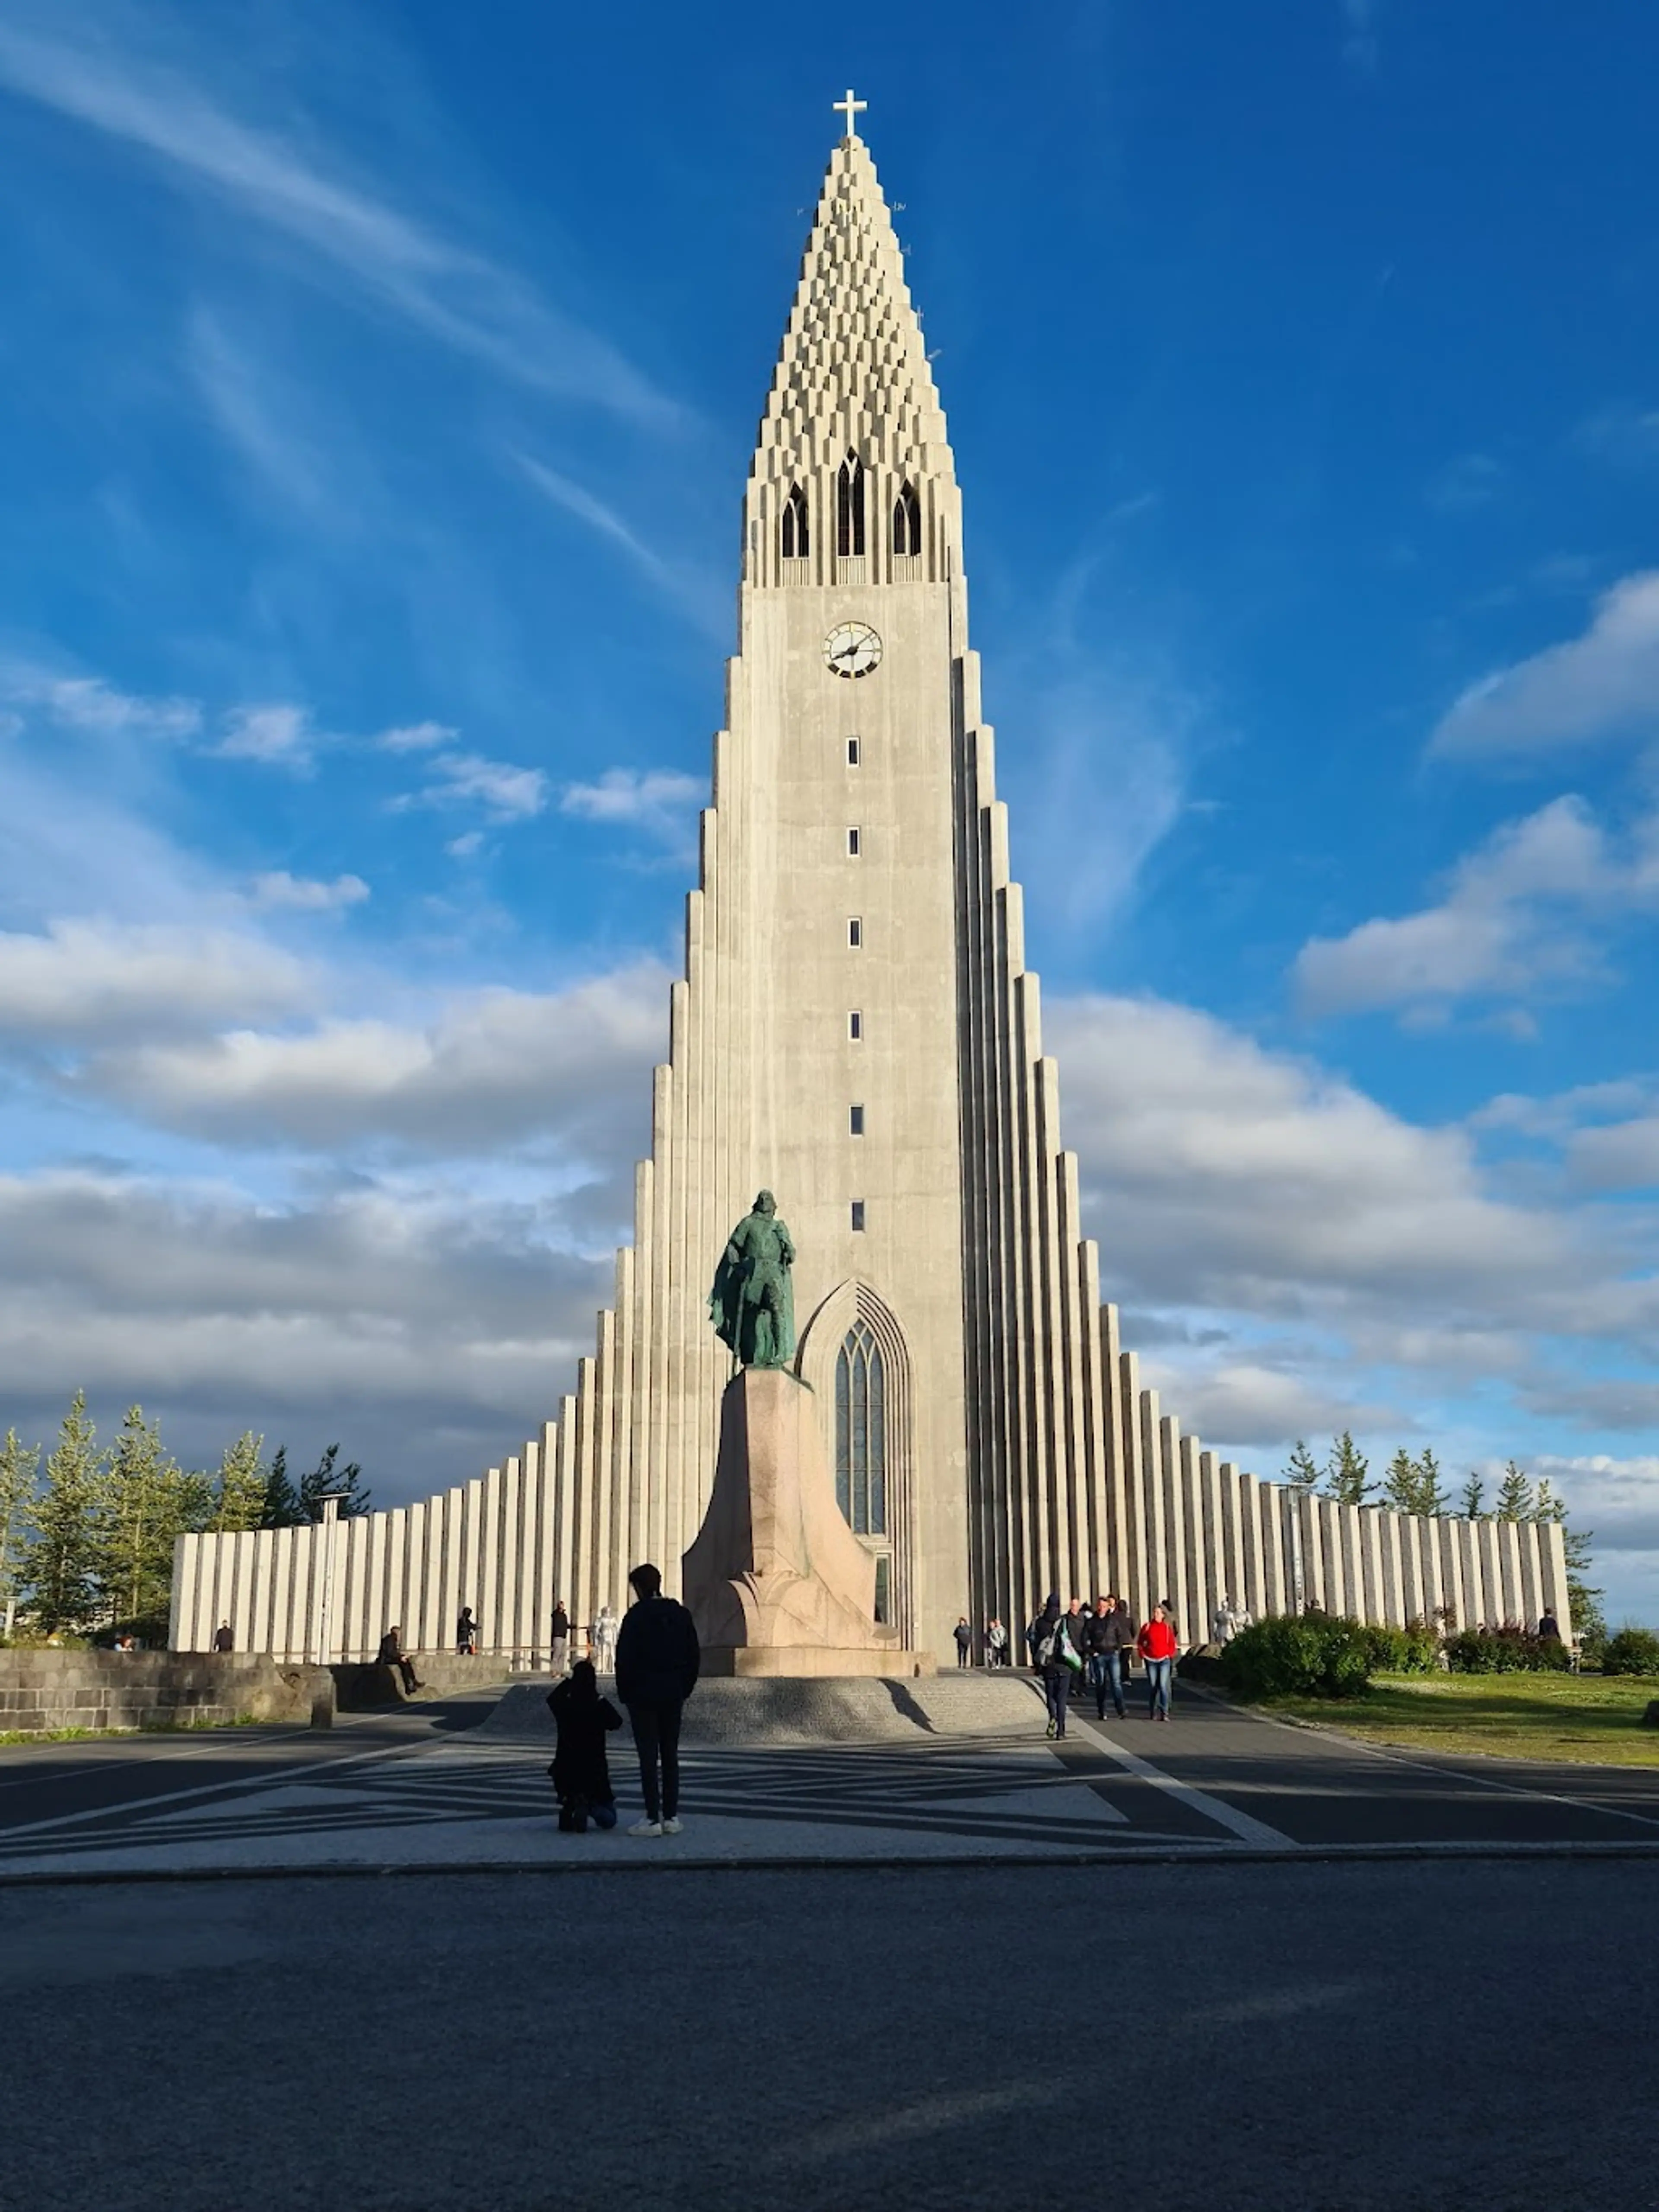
852	649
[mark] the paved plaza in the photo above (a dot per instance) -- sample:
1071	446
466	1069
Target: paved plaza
956	1768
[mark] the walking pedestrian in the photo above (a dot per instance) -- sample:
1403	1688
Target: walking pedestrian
1056	1660
1157	1643
1119	1639
559	1636
658	1660
996	1643
964	1637
1095	1629
1077	1630
580	1772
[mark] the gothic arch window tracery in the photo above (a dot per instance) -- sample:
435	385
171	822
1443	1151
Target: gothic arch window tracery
861	1432
794	543
849	508
907	523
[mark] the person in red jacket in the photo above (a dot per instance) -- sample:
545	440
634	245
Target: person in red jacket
1158	1645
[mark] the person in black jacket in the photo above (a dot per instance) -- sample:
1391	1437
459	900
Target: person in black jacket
1045	1636
658	1659
393	1654
580	1772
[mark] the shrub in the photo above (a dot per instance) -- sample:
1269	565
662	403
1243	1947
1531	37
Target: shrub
1297	1656
1412	1650
1505	1651
1632	1651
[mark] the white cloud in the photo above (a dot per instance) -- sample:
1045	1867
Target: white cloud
279	736
90	980
690	591
306	894
81	68
1517	917
494	1067
85	702
658	802
466	847
506	793
1600	685
415	738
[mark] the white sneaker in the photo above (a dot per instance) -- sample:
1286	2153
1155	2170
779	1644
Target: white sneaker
645	1828
672	1827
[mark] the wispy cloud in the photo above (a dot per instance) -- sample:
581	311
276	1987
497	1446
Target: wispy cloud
305	894
279	736
657	802
1624	436
1468	481
77	65
506	793
1602	683
415	738
1360	47
692	593
86	702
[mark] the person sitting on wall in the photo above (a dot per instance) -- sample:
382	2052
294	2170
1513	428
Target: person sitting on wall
222	1638
580	1772
392	1655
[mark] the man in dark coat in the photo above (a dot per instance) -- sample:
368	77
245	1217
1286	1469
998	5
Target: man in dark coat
658	1660
392	1655
559	1635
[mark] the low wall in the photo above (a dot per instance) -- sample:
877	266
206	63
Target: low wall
41	1690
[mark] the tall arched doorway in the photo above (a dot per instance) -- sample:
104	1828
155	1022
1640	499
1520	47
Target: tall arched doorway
852	1353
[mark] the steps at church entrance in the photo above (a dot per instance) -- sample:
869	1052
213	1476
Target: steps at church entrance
759	1711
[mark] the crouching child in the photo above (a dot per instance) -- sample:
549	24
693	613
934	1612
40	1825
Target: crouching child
580	1773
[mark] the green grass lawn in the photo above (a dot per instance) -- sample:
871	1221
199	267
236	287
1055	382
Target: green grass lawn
1594	1717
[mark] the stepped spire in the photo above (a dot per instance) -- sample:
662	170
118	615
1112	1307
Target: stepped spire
853	378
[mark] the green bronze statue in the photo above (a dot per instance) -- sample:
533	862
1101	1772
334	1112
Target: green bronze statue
753	1304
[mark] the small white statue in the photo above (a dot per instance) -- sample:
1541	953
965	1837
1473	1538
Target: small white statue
604	1640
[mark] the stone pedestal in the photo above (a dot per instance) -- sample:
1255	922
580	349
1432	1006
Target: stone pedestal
776	1581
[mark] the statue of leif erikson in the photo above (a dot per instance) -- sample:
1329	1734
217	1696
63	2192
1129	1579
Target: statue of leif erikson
753	1304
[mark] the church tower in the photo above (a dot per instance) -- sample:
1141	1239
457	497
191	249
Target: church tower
857	1031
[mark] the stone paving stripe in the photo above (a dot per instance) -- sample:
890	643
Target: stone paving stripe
1244	1825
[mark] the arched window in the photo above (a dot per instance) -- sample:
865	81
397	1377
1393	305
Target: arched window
907	522
849	506
795	546
861	1432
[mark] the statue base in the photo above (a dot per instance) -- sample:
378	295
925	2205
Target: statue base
776	1581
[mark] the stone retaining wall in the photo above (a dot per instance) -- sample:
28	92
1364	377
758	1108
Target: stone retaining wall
42	1689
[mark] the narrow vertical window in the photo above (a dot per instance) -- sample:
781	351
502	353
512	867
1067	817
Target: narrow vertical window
855	1027
849	506
861	1433
852	844
855	932
852	752
794	545
856	1120
857	1213
907	523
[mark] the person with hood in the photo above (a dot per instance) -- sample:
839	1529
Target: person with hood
1049	1640
580	1772
658	1661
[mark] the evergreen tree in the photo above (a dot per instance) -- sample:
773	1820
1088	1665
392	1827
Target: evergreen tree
1430	1498
61	1563
1400	1484
20	1467
239	1488
1300	1470
1347	1472
1515	1499
325	1479
282	1508
150	1501
1470	1503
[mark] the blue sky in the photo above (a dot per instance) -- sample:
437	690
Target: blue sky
380	386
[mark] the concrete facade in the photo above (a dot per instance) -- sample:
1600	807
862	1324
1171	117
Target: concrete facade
857	1030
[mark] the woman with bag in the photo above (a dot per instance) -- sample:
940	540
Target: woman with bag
1056	1659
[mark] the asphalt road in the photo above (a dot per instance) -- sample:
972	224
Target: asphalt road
1434	2036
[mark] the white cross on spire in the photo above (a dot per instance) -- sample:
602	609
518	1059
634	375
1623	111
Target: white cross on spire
849	108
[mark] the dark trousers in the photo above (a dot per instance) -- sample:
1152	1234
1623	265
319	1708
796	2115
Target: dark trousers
962	1655
1056	1685
406	1669
657	1740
